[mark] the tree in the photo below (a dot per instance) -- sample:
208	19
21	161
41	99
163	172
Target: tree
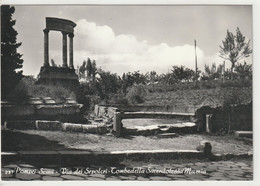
213	72
181	73
89	68
10	59
94	70
235	48
244	71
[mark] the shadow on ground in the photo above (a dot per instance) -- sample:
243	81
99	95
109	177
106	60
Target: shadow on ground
16	141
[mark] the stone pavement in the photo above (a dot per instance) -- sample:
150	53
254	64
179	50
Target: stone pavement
168	171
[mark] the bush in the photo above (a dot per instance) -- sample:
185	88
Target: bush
20	93
136	94
56	92
118	99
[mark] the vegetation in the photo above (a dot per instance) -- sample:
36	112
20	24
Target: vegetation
27	88
11	60
235	48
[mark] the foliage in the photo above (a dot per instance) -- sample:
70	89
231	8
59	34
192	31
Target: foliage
57	92
10	59
20	93
244	71
81	71
151	77
131	79
107	83
235	48
87	71
181	73
213	72
136	94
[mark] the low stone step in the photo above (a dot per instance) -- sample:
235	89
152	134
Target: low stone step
246	134
167	135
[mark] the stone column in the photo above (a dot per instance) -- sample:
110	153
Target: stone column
71	35
64	49
46	48
208	124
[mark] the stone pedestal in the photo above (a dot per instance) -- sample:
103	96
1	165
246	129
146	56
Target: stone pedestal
117	125
56	75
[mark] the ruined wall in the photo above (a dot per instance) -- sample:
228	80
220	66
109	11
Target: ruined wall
43	108
237	117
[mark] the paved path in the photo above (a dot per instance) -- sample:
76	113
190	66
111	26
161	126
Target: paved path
168	171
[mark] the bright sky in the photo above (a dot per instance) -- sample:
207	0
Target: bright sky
130	38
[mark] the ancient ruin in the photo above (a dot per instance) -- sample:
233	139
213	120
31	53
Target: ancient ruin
66	73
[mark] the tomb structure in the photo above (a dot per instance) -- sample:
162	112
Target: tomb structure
65	74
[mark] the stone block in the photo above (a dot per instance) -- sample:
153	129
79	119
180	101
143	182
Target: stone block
167	135
51	178
71	101
27	176
206	147
48	125
246	134
102	129
102	111
22	124
17	110
52	110
89	129
72	127
48	100
111	111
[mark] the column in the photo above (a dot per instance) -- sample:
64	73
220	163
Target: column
64	49
71	35
46	47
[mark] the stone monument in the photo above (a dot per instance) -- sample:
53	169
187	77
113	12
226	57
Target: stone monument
66	73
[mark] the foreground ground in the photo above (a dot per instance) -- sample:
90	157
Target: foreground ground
14	140
150	170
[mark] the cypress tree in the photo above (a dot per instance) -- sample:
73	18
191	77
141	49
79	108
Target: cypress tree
10	59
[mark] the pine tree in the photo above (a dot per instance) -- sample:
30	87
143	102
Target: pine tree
235	48
10	58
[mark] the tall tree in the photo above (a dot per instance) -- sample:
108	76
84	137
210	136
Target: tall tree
235	48
94	70
10	59
89	68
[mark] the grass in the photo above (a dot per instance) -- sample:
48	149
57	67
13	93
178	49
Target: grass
57	140
197	97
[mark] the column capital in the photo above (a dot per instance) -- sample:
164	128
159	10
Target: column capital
64	33
71	35
46	31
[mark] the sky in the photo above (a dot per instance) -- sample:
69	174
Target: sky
131	38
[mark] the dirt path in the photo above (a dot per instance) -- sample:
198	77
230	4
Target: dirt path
57	140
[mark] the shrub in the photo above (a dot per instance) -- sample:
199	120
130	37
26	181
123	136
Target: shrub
56	92
20	93
136	94
119	99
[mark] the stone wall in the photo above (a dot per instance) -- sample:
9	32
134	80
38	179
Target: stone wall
154	108
237	117
43	108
